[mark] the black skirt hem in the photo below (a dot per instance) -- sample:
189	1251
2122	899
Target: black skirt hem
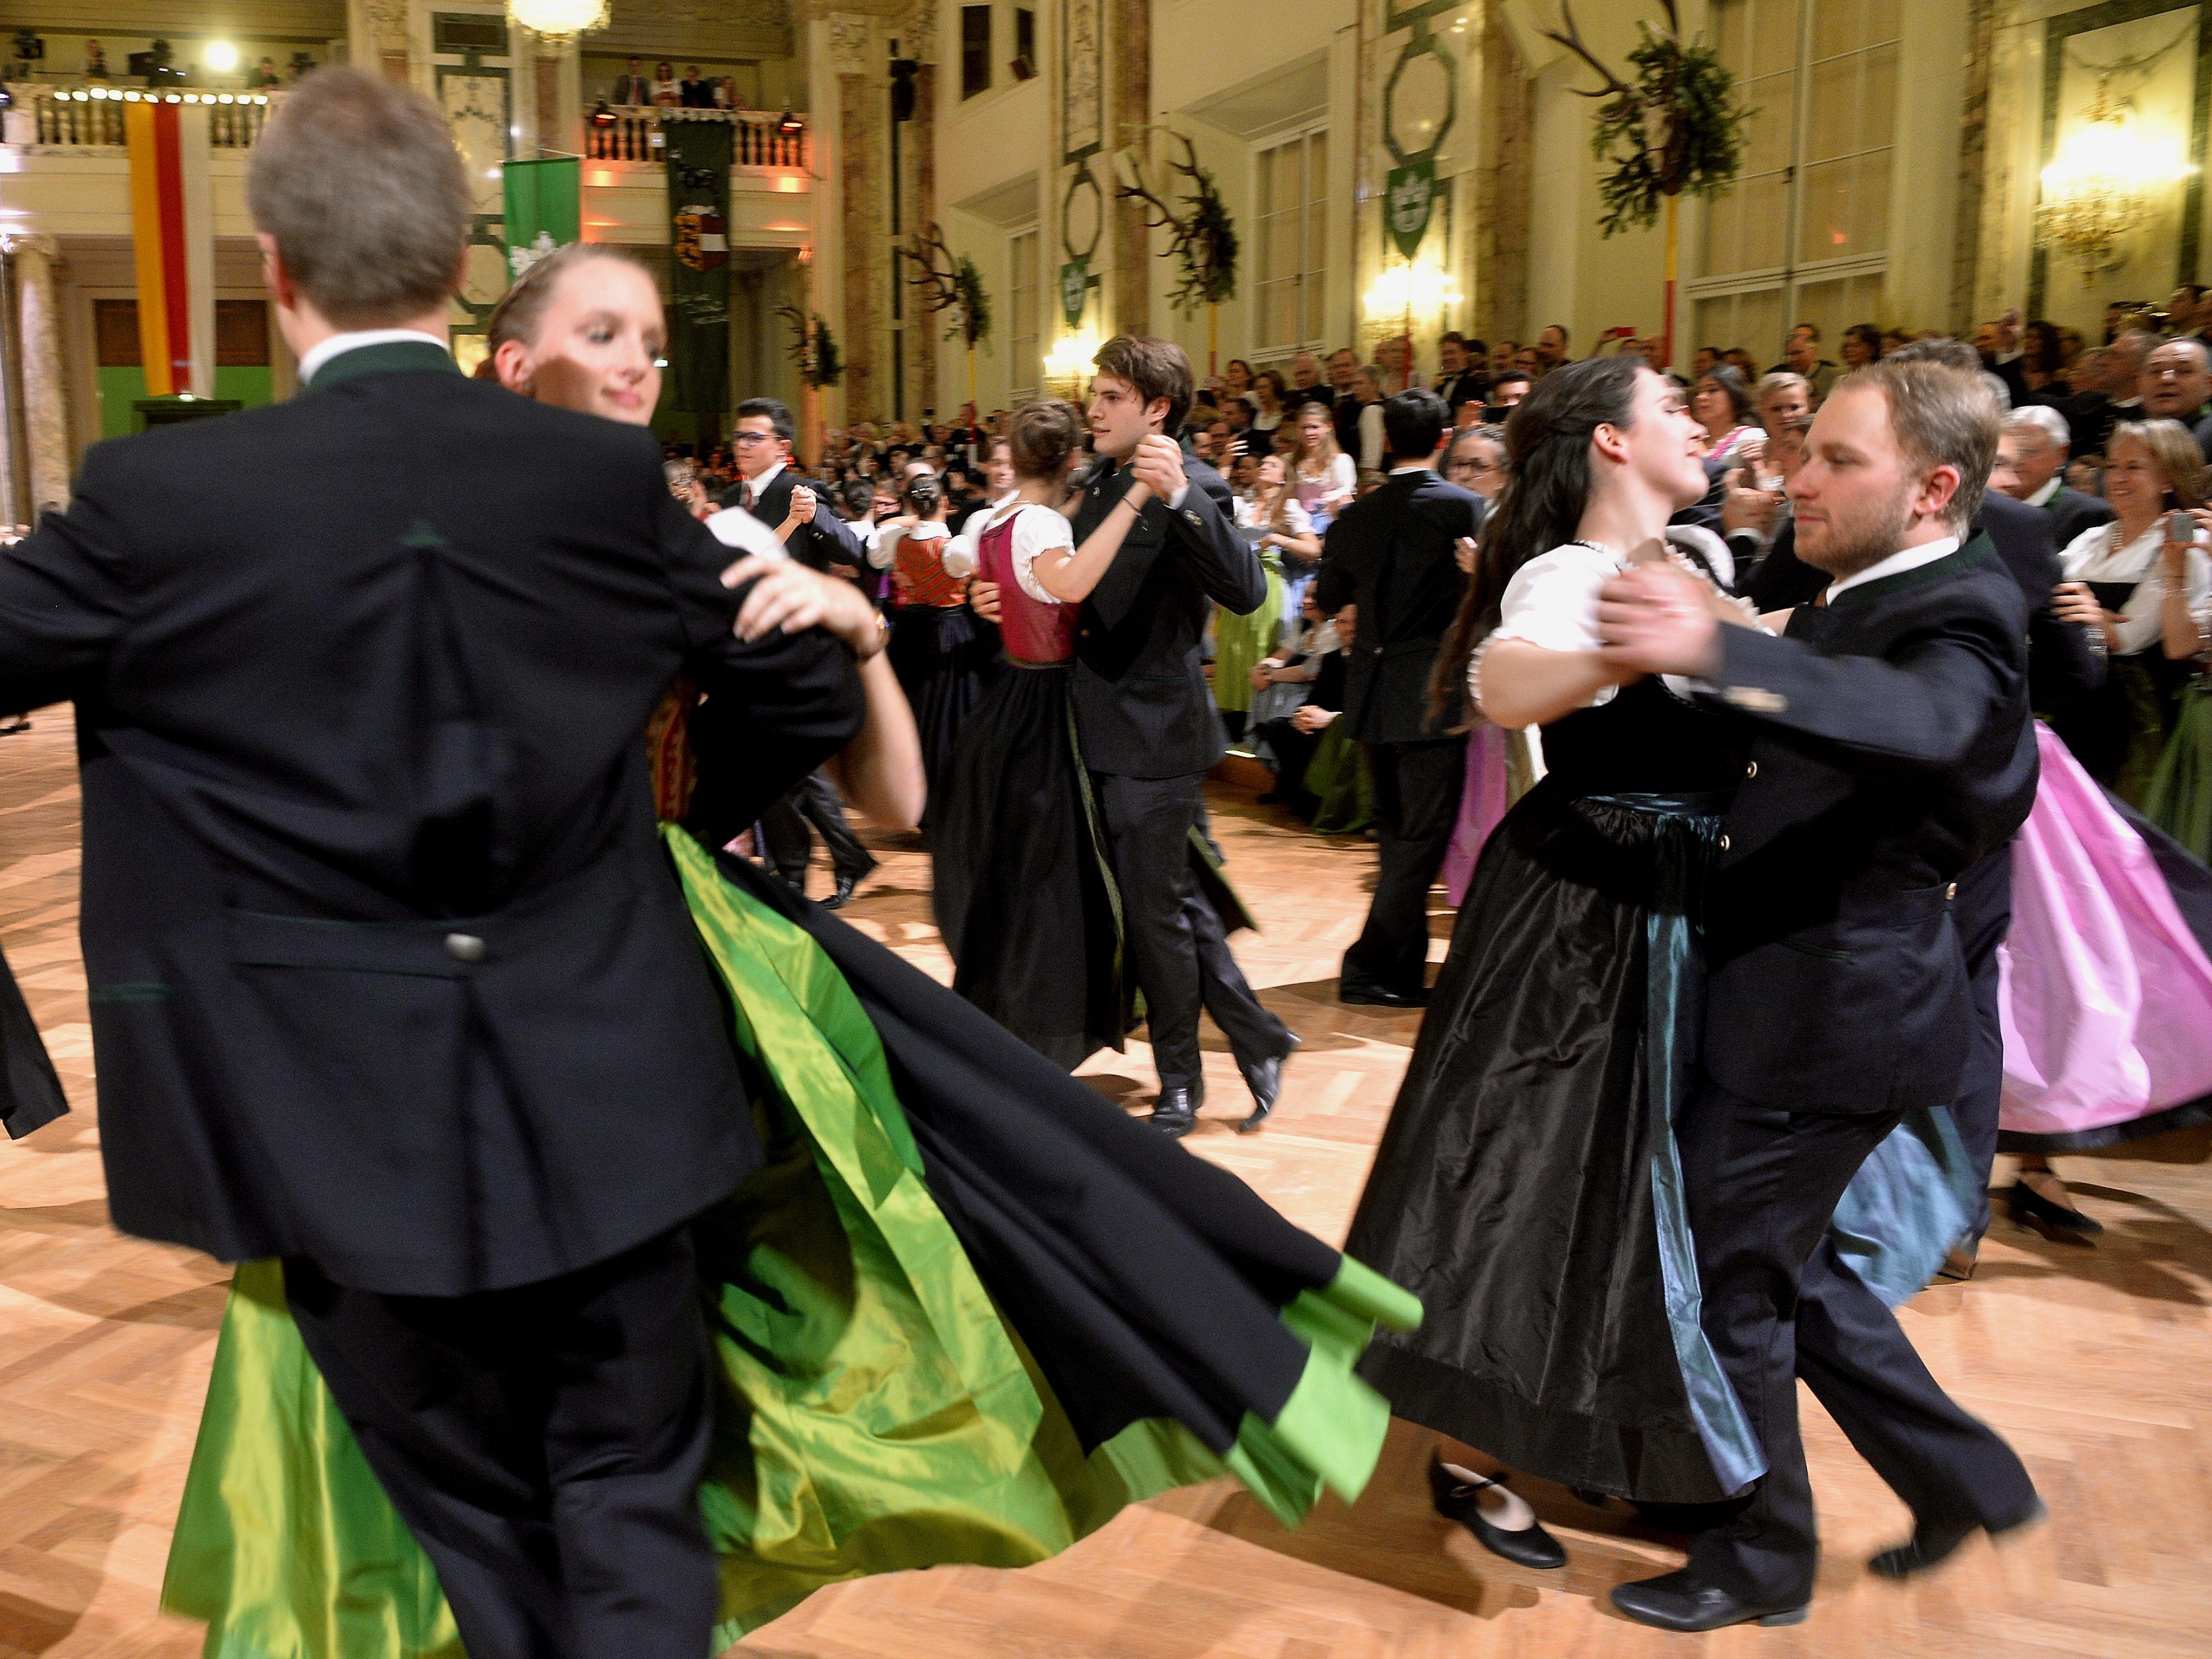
1647	1465
2190	1114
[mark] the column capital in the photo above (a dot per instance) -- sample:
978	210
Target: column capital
41	243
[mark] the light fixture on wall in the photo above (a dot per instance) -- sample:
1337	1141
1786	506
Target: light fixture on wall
558	20
1071	361
2103	183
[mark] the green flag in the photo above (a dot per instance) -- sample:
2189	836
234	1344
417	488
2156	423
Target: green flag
699	276
544	208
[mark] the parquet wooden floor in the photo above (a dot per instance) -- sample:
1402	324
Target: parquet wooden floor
2094	1359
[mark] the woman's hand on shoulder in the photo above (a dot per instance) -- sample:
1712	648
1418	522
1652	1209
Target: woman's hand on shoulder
787	596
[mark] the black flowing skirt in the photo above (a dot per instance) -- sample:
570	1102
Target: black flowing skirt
943	658
1022	890
1527	1188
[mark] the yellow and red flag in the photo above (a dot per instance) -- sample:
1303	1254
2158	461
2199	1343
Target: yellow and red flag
173	236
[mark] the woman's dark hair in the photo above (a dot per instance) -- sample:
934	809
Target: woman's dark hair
2041	351
1731	380
1043	435
1547	440
1868	336
923	495
858	495
1282	389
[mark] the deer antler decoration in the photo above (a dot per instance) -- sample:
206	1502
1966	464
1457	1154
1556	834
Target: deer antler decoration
949	282
1202	236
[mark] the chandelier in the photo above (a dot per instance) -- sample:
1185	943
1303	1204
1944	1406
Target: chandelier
558	20
2100	186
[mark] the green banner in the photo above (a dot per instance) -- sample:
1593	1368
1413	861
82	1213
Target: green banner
699	279
1409	197
544	208
1074	290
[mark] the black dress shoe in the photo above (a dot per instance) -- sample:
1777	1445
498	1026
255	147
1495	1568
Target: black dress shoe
1175	1112
1461	1500
846	883
1378	996
2053	1220
1679	1601
1265	1079
1931	1545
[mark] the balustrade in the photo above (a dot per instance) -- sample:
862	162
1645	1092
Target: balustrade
91	118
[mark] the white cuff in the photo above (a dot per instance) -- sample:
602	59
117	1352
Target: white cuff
1175	502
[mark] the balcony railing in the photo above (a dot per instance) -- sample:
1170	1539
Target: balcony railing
91	118
632	133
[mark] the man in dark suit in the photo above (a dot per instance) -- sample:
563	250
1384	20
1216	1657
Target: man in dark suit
388	976
2032	460
1459	379
1394	554
1891	748
1147	722
632	89
770	490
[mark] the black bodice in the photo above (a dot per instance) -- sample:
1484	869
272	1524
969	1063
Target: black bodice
1645	740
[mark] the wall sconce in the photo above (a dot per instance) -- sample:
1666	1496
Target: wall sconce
1418	290
2100	186
1071	361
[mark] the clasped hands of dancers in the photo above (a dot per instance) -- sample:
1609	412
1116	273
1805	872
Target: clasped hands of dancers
402	1001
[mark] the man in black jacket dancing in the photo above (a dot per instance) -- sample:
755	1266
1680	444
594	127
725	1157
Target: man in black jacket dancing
388	975
1146	721
1395	556
1891	749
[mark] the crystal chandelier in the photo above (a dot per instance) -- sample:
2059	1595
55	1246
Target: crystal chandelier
2101	185
559	20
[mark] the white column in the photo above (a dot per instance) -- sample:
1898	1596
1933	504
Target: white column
46	409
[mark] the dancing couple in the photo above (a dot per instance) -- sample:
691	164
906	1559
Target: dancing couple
1073	867
627	1248
1705	972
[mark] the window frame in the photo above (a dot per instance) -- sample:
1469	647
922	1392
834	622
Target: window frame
1312	223
1017	391
971	56
1795	275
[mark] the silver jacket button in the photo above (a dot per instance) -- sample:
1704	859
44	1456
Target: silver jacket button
1751	770
1951	892
1724	843
464	947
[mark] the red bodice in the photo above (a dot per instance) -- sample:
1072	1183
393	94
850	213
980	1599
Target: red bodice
1033	630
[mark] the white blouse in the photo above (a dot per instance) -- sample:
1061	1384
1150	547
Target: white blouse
1037	529
1296	520
2096	555
1552	602
882	547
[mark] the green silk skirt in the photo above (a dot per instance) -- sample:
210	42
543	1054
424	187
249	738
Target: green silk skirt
877	1406
1239	642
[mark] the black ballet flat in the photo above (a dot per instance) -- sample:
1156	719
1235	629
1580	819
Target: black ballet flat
1461	1500
2053	1220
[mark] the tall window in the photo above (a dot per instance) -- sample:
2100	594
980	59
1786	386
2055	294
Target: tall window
1025	40
975	50
1025	368
1290	259
1803	236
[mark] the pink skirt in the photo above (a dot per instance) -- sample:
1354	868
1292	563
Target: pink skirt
2108	973
1483	800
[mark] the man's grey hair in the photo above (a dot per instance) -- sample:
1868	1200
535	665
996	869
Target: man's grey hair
1999	390
2041	418
362	186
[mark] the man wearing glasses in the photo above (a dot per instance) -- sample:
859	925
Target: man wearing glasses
768	489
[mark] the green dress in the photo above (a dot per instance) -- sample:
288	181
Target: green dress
2180	797
877	1406
1239	642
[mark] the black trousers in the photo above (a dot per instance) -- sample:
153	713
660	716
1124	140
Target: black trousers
1417	789
543	1444
1762	1182
1175	947
784	828
1982	914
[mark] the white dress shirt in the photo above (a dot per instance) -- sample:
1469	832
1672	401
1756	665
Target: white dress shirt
1895	565
2051	486
318	355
